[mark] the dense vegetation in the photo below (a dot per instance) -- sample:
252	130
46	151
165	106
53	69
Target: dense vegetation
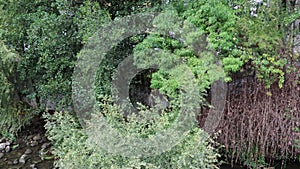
40	43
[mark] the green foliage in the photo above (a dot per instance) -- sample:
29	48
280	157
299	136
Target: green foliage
47	35
254	163
269	65
11	119
41	40
242	39
161	49
231	64
68	140
110	62
120	8
76	151
263	39
89	18
217	20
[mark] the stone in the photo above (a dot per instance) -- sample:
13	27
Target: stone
7	149
45	145
2	146
23	158
37	161
1	155
16	161
29	137
28	151
37	137
8	143
33	143
32	166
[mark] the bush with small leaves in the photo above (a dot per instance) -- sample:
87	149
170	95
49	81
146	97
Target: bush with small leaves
73	149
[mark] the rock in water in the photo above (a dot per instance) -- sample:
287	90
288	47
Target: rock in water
1	155
7	149
2	146
23	158
36	138
28	151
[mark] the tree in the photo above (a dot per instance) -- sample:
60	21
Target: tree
46	35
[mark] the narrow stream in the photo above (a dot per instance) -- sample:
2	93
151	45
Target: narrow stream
31	150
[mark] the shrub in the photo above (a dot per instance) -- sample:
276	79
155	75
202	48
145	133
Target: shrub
47	36
11	117
73	149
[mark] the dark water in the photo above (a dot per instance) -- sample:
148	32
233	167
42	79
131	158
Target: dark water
278	165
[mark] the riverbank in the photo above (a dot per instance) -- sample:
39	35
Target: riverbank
32	150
